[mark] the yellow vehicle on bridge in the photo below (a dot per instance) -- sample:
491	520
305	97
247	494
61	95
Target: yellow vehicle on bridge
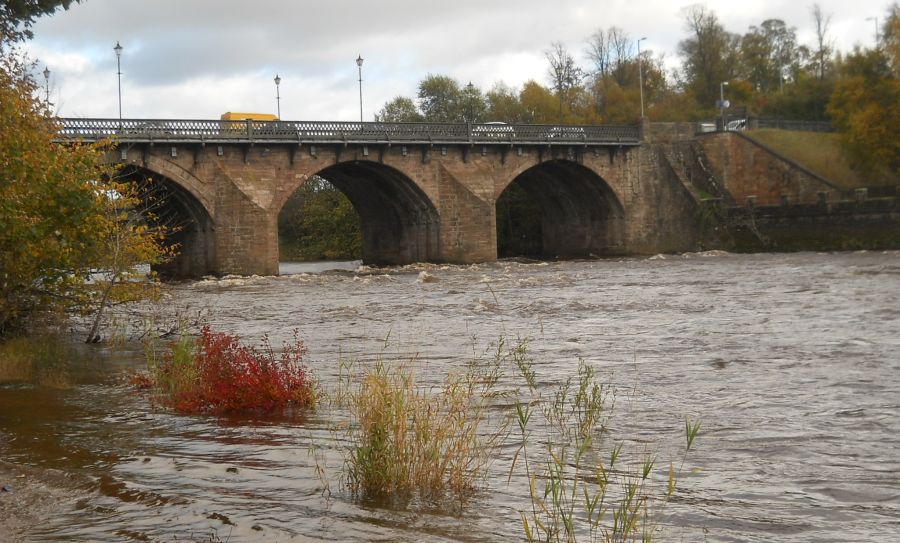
248	124
236	116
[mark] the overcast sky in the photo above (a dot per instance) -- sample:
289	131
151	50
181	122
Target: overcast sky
192	59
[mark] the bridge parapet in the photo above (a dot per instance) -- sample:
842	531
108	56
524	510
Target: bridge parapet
326	132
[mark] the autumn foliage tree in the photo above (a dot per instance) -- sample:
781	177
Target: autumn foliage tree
63	218
864	109
710	54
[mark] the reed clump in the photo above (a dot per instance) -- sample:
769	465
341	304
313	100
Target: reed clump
216	374
407	440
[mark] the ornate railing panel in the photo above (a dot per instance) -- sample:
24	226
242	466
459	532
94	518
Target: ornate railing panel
188	131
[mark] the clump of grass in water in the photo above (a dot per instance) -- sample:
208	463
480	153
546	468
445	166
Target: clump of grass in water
41	360
408	440
216	374
574	491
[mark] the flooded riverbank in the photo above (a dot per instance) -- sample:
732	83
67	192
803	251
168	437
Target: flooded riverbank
791	361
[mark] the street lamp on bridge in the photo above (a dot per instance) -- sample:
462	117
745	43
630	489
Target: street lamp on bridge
359	61
118	50
47	87
278	96
470	93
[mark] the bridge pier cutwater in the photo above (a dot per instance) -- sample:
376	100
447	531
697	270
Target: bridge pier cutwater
423	192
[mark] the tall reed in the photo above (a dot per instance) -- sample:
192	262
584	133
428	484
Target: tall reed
578	492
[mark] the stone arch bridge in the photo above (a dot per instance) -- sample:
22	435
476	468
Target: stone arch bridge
424	192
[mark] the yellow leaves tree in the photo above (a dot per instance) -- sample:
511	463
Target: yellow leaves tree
864	109
59	219
129	237
539	103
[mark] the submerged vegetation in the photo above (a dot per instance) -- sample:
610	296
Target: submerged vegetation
41	359
407	440
406	443
216	374
581	485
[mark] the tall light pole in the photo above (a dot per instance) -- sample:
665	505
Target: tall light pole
47	87
359	61
641	76
118	50
722	101
278	95
470	92
876	28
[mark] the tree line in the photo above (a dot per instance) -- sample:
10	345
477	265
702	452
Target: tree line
768	72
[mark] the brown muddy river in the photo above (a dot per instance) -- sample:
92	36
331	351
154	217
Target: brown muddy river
791	361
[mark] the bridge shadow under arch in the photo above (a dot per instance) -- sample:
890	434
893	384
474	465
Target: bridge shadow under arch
400	224
187	224
559	209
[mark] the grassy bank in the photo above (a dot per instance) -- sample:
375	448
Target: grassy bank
820	152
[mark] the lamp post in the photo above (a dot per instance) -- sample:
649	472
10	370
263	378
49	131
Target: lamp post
278	96
359	61
641	76
118	50
47	87
876	28
722	101
470	91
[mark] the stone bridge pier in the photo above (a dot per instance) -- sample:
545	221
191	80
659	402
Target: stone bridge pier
417	202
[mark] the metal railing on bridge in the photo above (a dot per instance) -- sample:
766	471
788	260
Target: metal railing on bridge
220	131
790	124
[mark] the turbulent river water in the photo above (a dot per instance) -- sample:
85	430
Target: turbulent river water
791	361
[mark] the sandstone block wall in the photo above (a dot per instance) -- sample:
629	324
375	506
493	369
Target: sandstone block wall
435	203
751	172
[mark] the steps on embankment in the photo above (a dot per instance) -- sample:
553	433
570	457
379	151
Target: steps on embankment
768	201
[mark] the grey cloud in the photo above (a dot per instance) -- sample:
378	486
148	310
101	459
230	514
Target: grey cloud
312	45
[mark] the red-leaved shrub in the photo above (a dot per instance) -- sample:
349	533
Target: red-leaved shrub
216	374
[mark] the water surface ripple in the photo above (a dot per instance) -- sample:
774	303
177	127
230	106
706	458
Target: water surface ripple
792	361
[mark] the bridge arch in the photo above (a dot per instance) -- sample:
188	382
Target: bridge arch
184	179
188	221
400	224
573	213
